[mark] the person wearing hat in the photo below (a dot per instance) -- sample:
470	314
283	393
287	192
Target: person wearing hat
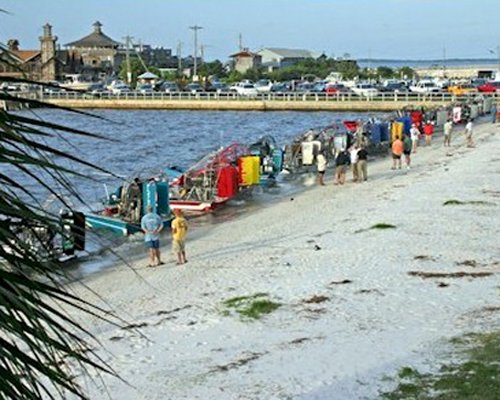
179	232
151	225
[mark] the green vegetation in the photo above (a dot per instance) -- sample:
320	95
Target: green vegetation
475	376
43	350
309	69
455	202
383	226
250	307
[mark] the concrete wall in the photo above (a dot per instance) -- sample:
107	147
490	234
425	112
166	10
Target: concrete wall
249	105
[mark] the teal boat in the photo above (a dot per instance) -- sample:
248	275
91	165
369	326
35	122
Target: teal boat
124	208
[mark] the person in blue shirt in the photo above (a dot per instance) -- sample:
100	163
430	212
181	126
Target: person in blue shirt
151	224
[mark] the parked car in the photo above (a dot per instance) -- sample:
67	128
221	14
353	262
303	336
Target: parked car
460	90
305	87
280	87
490	87
425	86
263	85
97	89
219	87
245	89
365	90
394	87
194	88
336	88
54	88
145	88
169	87
120	89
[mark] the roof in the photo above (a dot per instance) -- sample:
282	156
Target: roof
290	53
244	53
95	39
25	55
148	75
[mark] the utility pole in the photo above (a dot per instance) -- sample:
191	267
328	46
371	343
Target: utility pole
240	42
179	57
128	40
195	28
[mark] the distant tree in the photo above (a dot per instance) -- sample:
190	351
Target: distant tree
169	75
136	68
254	74
214	68
348	68
234	76
385	72
406	72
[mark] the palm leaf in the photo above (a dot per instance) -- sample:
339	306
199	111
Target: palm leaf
42	349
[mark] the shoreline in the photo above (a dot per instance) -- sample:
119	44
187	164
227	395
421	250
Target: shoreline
381	319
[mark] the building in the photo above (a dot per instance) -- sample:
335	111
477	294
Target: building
245	60
99	54
46	64
274	57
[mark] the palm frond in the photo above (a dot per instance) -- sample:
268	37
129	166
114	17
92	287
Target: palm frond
42	349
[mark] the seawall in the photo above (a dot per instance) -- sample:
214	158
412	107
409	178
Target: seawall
245	105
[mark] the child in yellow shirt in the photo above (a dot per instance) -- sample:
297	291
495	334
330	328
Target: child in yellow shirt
179	232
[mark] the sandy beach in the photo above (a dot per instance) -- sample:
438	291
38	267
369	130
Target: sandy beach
354	307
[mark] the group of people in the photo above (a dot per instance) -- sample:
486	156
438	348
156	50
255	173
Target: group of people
152	225
401	149
356	157
407	144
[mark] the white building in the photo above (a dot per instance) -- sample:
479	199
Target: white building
274	57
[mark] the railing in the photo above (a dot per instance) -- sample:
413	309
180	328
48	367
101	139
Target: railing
442	97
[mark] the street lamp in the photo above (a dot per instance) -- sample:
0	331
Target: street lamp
195	28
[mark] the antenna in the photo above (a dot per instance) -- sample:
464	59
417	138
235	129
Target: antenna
240	41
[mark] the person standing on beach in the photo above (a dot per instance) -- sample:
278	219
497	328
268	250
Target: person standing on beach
179	232
397	151
414	135
152	225
362	165
428	131
321	163
494	112
447	128
341	163
407	146
468	133
353	153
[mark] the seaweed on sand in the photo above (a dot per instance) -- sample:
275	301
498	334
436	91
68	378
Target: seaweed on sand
250	307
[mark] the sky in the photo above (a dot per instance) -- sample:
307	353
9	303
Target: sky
374	29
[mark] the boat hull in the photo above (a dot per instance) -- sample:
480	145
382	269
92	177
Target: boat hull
116	225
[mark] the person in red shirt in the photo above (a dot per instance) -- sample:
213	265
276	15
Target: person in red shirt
397	151
428	131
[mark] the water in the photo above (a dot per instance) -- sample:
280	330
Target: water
138	140
486	63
